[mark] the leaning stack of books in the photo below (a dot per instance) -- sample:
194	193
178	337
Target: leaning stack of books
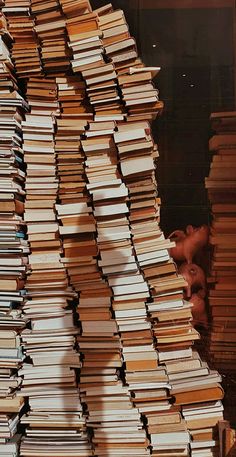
25	47
98	342
114	27
119	46
84	33
170	316
50	29
88	57
139	95
118	267
75	8
221	186
13	255
102	90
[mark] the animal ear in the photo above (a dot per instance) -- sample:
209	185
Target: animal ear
177	234
189	229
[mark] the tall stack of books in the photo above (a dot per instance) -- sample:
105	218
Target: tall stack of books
55	420
25	47
169	315
50	29
77	224
106	399
13	254
221	186
173	334
119	268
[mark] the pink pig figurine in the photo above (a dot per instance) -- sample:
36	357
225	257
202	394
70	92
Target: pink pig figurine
195	277
198	310
189	243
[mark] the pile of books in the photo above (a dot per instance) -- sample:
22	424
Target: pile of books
140	96
221	186
92	216
118	266
119	46
42	93
25	48
102	90
55	420
13	255
50	29
88	57
75	7
87	49
72	98
106	399
202	420
168	315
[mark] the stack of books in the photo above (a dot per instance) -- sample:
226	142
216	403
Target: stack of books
196	389
119	46
102	90
13	255
169	315
25	48
221	189
70	172
42	93
139	95
50	29
75	7
114	28
84	40
55	420
118	265
88	57
72	97
101	391
221	186
202	420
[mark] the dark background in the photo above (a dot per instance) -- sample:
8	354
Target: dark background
193	42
